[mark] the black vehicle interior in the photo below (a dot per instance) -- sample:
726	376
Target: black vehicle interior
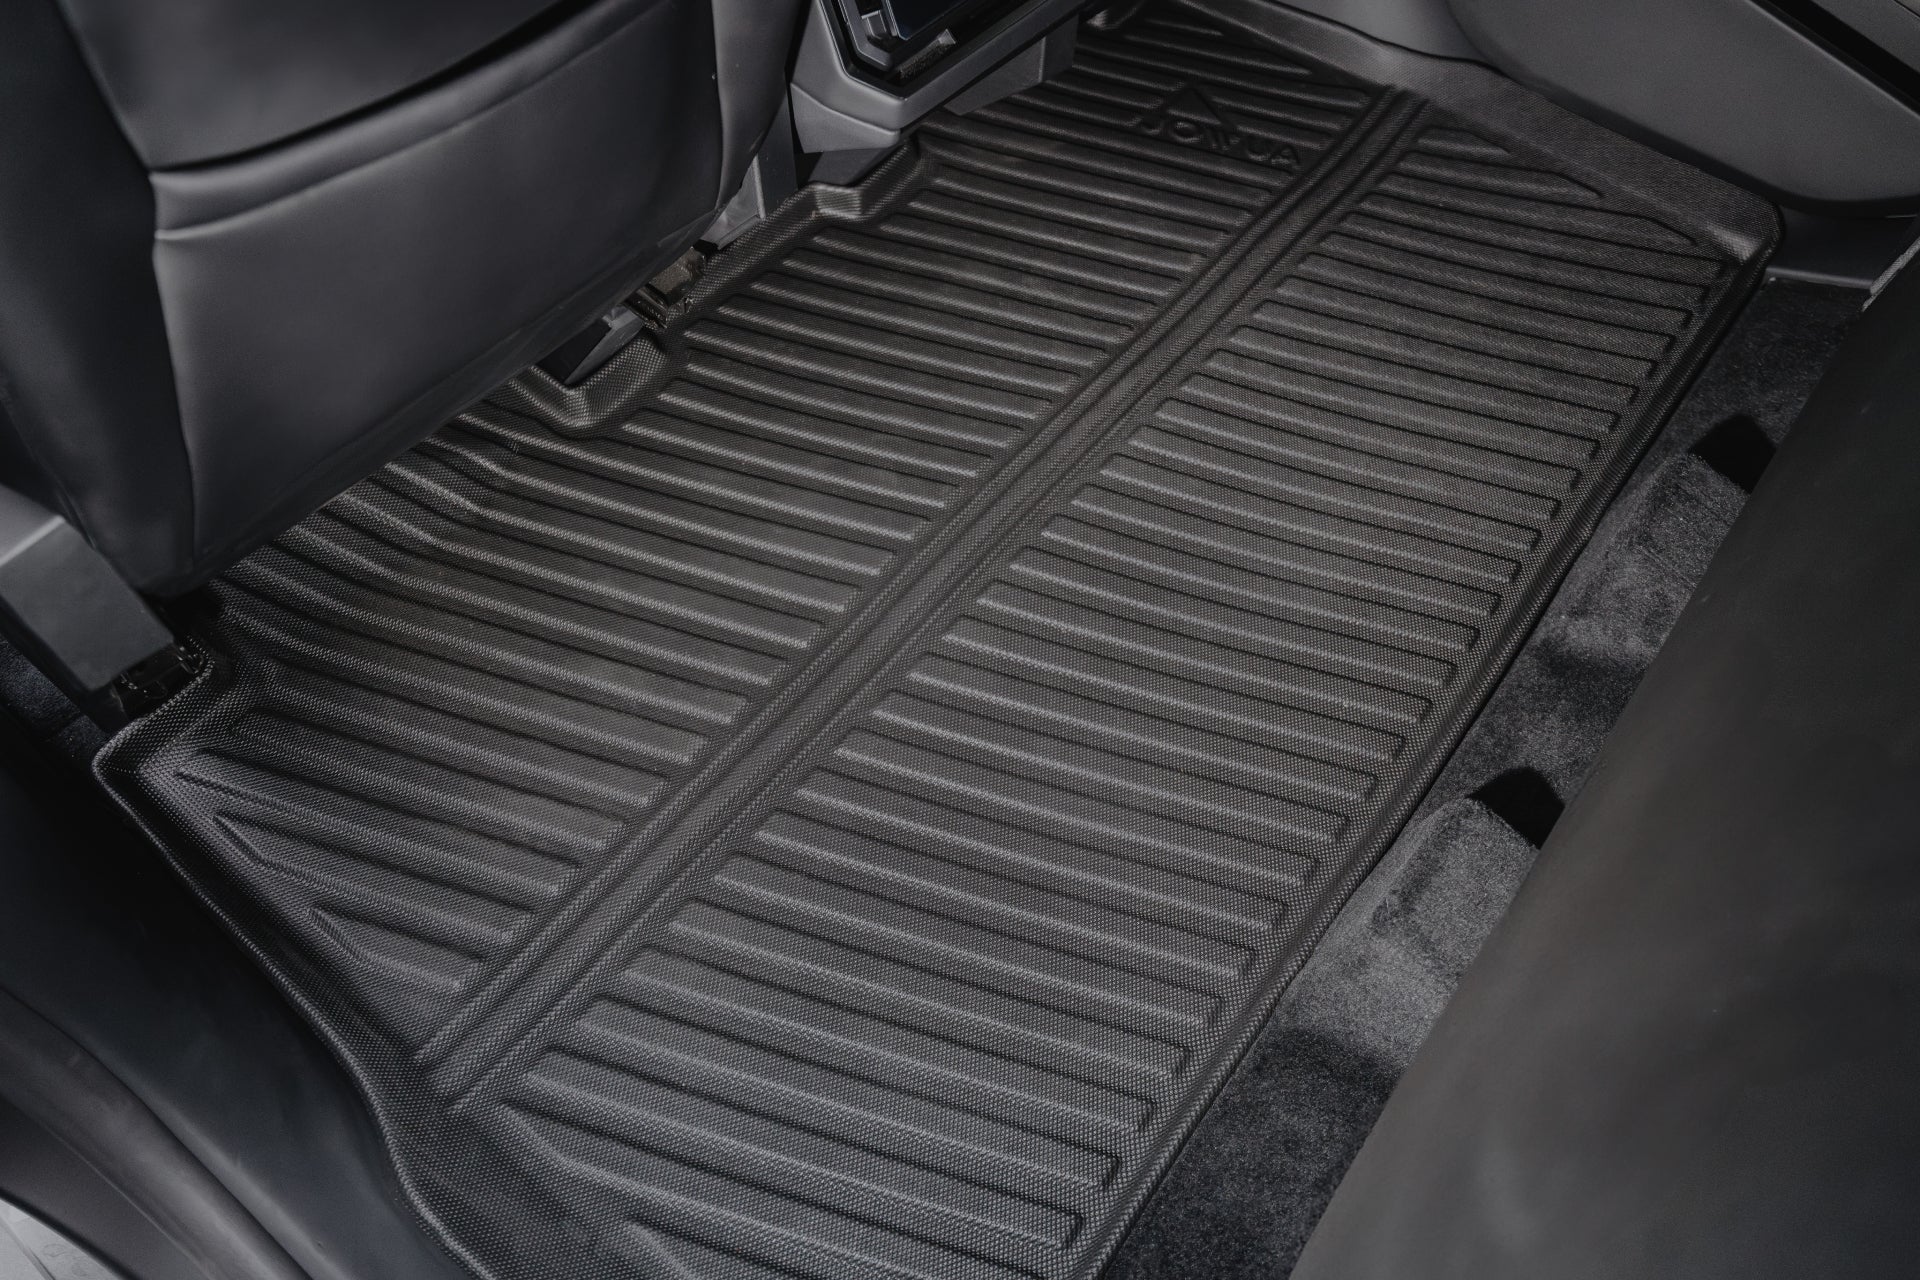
961	639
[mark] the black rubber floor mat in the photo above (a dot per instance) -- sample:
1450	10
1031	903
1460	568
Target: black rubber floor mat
835	796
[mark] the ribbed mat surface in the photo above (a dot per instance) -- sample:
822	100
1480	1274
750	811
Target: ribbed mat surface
834	801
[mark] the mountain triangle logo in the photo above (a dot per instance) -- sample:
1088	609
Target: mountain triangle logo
1192	119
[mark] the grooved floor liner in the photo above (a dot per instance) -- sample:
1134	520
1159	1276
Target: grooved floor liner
833	797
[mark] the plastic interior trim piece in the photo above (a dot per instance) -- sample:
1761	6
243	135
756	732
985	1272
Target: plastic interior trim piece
64	605
836	108
1730	85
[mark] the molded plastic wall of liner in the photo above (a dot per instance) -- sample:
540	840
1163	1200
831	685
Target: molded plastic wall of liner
42	1176
1723	83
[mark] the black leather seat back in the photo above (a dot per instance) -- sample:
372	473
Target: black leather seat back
247	252
199	80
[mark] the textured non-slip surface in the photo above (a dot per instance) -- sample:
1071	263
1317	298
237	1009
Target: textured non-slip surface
835	799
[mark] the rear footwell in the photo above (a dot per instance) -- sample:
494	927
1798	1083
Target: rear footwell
834	796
